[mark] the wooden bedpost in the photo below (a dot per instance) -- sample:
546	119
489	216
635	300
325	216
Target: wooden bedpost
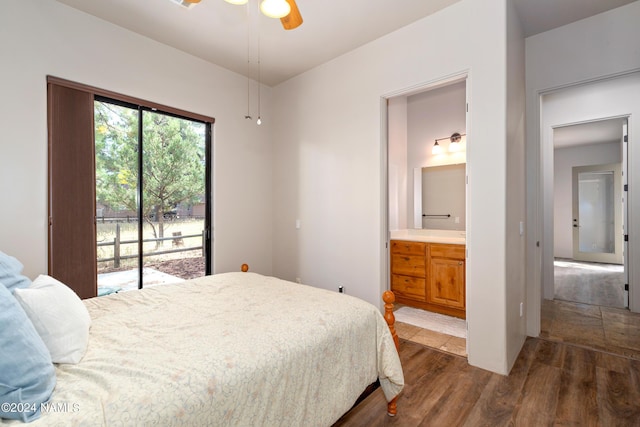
389	298
244	268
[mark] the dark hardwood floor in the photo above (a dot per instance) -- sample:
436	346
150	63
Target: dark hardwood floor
551	383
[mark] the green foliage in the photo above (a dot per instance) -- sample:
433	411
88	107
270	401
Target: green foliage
173	160
116	139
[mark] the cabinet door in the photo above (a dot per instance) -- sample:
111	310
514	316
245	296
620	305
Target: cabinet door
446	282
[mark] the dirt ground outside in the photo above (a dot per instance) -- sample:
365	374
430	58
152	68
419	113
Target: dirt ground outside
186	268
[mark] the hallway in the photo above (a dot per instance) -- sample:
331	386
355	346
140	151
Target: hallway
612	330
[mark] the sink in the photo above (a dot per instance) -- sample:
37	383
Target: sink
456	237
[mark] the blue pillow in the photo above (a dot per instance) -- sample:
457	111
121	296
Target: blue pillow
10	273
27	375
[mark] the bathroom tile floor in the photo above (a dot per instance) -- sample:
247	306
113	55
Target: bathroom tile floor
437	340
607	329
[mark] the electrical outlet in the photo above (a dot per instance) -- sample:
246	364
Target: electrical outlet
298	280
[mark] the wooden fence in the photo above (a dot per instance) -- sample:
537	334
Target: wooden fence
178	244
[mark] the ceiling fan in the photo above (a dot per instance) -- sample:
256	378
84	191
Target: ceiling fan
286	10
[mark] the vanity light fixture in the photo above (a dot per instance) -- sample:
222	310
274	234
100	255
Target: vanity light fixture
437	149
454	143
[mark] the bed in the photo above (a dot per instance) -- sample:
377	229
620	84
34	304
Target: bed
229	349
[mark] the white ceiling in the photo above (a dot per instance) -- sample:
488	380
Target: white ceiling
217	31
538	16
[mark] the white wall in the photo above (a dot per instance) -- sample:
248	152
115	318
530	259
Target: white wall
432	115
593	48
397	157
435	114
564	160
414	122
515	187
43	37
328	168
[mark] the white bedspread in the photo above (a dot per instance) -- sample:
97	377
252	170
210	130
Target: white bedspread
234	349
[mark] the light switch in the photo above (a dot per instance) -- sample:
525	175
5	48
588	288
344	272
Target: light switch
297	224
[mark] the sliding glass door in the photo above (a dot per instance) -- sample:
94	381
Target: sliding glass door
152	174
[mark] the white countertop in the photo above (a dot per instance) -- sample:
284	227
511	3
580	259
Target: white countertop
454	237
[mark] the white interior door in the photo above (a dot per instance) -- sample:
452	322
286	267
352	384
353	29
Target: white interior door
597	213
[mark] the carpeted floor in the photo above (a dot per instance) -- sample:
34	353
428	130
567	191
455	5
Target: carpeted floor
589	283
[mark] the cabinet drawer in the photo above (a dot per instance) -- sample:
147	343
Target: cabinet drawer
412	287
409	265
447	251
407	247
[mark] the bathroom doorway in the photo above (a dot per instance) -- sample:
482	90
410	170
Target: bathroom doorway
426	142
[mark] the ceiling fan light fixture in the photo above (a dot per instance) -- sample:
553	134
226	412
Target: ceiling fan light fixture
293	19
275	8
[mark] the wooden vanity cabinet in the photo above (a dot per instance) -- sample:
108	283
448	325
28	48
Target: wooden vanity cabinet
430	276
409	269
446	275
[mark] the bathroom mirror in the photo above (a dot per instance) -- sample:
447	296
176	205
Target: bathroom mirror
439	197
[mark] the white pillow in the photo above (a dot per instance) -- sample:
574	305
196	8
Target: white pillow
59	316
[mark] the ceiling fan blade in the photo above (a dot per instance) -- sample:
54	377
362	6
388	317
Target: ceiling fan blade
191	1
293	19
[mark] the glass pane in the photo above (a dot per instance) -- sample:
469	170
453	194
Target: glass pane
116	145
596	212
173	198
